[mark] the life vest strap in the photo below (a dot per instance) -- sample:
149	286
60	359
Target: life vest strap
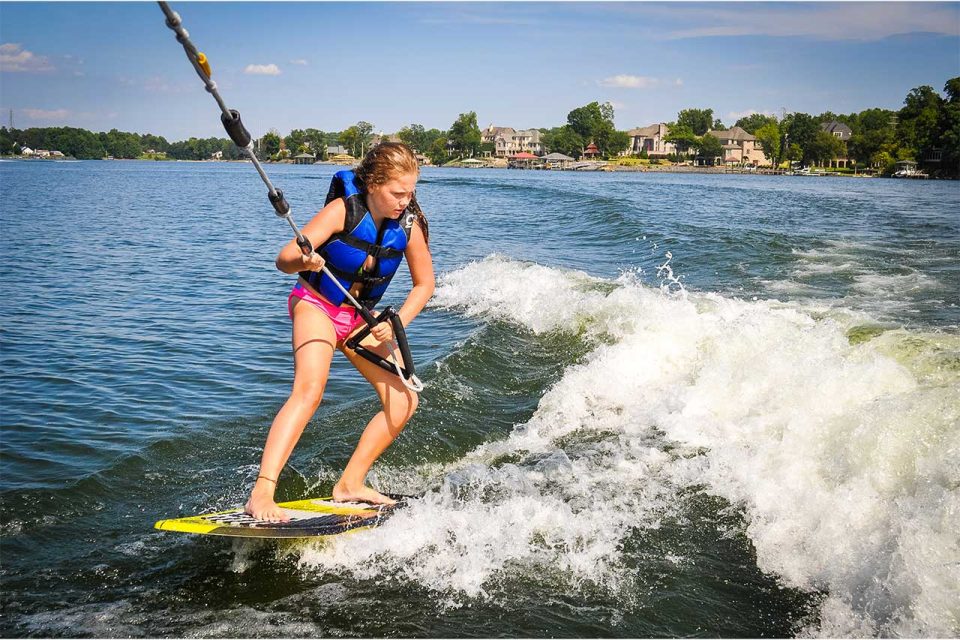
375	250
358	277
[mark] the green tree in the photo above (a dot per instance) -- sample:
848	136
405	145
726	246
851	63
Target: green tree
619	141
794	152
873	132
718	125
365	136
586	121
563	140
437	151
768	135
269	145
682	136
314	140
465	134
413	136
752	123
350	140
801	130
120	144
709	148
594	122
826	147
696	120
8	141
295	142
950	130
918	119
150	141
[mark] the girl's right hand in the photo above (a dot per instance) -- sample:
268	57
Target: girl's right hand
312	262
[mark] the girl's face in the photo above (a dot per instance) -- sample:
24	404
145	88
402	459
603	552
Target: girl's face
390	199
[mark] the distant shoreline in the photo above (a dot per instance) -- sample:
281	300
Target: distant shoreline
608	168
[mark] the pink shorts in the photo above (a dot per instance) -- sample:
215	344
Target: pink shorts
345	319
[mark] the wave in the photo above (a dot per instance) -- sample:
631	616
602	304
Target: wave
837	445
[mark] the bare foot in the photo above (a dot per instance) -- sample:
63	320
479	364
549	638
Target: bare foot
361	494
262	507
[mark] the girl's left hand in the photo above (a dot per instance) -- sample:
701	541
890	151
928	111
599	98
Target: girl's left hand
382	332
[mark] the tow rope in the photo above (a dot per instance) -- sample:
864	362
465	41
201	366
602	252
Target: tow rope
244	142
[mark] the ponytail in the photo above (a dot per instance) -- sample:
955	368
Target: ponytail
414	208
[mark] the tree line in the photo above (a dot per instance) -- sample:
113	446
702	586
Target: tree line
926	129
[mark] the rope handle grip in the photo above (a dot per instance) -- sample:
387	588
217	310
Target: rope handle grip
399	334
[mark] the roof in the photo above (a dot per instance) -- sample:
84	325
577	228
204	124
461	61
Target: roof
646	132
733	133
523	155
592	147
305	155
554	157
837	127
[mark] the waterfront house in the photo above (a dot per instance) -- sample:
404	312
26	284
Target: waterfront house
26	151
837	129
739	147
508	141
651	140
337	150
844	133
304	158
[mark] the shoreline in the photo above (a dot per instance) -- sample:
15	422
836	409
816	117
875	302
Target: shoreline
600	167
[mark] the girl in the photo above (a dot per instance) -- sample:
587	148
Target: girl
370	223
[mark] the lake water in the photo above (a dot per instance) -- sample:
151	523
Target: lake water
655	405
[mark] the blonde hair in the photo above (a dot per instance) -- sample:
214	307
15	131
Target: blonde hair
390	160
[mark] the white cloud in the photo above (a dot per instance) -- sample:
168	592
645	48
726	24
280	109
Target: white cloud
45	114
14	58
262	70
624	81
299	61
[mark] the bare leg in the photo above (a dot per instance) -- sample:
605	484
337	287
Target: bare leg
399	403
314	340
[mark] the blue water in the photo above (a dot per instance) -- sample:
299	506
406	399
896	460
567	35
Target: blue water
655	405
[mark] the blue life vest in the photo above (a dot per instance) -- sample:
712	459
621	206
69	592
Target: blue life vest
345	252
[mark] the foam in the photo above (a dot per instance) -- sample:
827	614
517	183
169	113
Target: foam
842	457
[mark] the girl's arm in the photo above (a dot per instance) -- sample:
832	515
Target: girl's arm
421	272
327	222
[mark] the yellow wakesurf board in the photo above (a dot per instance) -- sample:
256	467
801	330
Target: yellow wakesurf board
310	518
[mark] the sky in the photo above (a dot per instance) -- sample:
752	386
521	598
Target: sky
327	65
